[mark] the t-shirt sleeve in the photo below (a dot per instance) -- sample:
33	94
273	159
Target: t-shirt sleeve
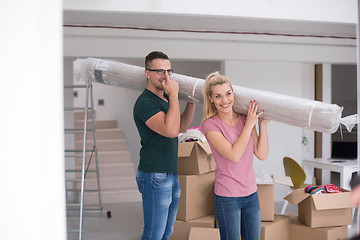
209	125
145	109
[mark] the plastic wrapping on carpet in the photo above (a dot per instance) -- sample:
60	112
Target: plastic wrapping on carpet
310	114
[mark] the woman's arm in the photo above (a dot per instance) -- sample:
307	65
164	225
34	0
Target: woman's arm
261	144
224	147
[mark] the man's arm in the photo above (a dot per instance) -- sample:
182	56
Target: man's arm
168	124
187	116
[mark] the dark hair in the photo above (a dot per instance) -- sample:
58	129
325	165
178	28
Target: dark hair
154	55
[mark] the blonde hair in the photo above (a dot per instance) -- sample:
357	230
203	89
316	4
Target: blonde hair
211	80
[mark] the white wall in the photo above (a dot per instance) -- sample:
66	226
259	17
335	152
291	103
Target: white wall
116	43
307	91
336	10
31	123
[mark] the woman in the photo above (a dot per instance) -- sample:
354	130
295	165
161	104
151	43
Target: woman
233	140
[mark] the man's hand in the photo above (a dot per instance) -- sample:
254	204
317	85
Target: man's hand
170	86
263	121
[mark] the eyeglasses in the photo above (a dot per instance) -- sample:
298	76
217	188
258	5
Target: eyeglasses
161	71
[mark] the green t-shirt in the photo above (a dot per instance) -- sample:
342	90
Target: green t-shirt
157	153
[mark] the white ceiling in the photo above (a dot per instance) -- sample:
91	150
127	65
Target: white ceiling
208	23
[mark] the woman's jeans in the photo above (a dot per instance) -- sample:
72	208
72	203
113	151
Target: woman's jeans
238	216
160	197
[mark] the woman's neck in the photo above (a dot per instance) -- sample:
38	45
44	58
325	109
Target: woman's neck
229	118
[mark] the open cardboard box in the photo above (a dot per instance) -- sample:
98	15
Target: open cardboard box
195	158
322	210
266	195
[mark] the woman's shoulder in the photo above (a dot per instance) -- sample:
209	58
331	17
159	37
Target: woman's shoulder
210	124
212	121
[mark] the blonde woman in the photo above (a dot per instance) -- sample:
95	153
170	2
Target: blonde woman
234	140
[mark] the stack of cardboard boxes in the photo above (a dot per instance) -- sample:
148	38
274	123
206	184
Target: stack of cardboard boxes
196	206
273	226
321	216
196	167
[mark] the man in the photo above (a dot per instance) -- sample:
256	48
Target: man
158	120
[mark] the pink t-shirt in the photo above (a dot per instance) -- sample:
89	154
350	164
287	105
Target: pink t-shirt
232	179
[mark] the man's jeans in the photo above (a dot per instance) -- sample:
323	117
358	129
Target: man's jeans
160	196
235	213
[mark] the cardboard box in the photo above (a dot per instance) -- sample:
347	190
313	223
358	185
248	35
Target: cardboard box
195	158
322	210
299	231
182	228
266	200
197	196
266	196
278	229
204	233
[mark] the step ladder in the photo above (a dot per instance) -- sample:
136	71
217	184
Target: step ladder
79	208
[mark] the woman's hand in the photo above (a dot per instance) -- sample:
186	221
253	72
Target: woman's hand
252	116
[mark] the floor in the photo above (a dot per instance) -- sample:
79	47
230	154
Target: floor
126	222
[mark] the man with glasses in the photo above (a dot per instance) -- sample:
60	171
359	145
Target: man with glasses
158	120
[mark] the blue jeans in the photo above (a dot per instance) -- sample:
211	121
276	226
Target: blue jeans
238	216
160	197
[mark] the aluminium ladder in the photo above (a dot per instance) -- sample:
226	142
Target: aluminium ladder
75	153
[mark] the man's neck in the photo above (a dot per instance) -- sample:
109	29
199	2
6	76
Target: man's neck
156	91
